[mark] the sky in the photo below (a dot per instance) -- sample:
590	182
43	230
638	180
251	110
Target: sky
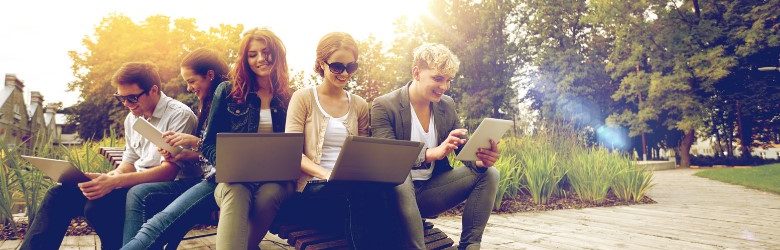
37	35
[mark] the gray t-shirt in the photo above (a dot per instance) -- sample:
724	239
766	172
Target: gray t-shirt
168	115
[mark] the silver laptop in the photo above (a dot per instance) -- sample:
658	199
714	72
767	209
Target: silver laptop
375	160
249	157
58	170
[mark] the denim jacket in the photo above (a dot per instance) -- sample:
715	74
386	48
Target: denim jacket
228	116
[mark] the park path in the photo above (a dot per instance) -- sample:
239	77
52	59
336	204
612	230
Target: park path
690	213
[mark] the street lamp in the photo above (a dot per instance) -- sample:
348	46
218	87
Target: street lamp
772	68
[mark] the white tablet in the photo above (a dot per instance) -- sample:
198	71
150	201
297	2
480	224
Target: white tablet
58	170
151	133
490	128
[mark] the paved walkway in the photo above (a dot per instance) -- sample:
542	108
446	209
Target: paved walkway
691	213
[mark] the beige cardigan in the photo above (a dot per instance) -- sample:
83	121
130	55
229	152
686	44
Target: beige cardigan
304	116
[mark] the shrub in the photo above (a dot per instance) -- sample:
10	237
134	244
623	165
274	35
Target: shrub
591	172
631	182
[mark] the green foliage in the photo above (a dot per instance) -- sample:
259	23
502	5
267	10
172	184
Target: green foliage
117	40
510	171
478	32
6	184
591	173
372	80
20	181
631	182
764	178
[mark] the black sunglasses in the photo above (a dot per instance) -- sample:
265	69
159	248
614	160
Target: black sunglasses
338	68
129	98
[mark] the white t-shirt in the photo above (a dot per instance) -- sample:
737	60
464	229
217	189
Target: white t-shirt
419	135
266	122
335	135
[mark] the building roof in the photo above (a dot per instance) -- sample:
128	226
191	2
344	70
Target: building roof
5	93
32	108
47	117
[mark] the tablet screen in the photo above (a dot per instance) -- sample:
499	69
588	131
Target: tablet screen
490	128
148	131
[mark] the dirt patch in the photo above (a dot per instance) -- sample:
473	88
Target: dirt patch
524	203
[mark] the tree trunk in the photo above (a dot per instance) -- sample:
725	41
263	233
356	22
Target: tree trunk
685	148
718	148
744	131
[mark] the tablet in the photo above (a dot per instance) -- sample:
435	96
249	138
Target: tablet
490	128
58	170
151	133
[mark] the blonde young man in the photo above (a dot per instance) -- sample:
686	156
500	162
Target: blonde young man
419	111
102	200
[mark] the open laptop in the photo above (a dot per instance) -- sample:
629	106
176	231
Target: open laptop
370	159
257	157
58	170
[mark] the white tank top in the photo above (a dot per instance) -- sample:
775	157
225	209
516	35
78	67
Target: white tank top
266	124
335	135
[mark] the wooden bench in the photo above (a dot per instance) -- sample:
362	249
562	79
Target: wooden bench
298	236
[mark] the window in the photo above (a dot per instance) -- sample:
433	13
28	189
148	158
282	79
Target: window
17	112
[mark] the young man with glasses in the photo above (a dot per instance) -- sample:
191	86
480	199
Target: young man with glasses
102	200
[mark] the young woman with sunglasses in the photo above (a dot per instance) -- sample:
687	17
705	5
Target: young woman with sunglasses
202	70
327	114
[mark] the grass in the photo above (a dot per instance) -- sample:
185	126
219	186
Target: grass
764	178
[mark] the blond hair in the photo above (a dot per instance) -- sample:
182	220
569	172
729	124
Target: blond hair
436	57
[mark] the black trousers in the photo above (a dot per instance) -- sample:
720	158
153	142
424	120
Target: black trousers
359	210
64	202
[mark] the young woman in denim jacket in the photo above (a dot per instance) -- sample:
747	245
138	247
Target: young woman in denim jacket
255	102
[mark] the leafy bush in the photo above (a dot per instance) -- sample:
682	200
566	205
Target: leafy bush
631	182
591	172
19	180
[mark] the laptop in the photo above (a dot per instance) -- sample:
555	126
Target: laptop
368	159
58	170
258	157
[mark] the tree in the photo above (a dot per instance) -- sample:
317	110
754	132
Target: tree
567	63
118	40
372	79
477	31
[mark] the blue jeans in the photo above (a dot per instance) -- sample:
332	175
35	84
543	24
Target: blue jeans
195	202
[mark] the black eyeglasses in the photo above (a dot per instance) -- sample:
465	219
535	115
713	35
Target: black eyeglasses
338	68
129	98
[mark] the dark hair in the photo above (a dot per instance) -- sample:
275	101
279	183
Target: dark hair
143	74
201	61
329	44
245	81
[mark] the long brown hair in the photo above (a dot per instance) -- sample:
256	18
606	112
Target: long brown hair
201	61
245	81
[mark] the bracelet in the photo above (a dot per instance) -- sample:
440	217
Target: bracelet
200	144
